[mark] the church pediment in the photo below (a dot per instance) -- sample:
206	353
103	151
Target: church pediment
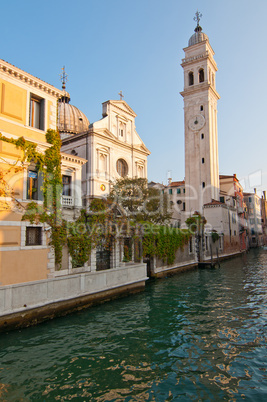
122	106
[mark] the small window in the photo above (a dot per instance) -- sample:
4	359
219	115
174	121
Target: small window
183	206
184	190
203	184
178	191
203	160
222	199
191	78
34	183
33	236
66	182
122	167
170	190
190	245
202	136
37	112
201	108
121	132
201	75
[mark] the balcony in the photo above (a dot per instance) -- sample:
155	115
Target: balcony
67	201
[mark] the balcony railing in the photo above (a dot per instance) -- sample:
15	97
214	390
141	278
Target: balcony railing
67	201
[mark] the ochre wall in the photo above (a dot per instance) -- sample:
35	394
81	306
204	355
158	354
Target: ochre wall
23	266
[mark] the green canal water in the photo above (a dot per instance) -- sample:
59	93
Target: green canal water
199	336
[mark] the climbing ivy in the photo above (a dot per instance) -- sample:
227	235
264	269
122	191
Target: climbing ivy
51	211
164	241
79	243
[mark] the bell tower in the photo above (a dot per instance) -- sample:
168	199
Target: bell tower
200	122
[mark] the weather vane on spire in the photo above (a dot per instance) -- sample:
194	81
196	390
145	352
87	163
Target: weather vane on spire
64	78
197	17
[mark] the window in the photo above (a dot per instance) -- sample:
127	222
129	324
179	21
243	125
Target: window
203	184
184	190
34	183
202	136
191	78
201	75
201	108
122	167
170	190
178	191
183	206
222	199
37	112
203	160
66	182
190	245
33	236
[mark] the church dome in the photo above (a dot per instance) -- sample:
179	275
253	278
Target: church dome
197	37
70	119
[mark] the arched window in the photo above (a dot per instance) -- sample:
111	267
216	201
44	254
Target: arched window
122	167
191	78
201	75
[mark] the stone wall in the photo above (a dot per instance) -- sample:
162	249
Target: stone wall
25	298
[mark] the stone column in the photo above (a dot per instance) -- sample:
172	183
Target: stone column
93	260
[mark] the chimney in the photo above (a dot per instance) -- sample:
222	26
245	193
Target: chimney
169	181
255	190
264	195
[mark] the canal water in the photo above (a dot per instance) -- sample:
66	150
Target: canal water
199	336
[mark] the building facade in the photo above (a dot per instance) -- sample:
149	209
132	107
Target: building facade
28	108
112	148
254	219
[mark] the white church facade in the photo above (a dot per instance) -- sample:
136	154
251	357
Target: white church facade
111	146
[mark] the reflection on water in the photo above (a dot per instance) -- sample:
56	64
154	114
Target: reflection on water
197	336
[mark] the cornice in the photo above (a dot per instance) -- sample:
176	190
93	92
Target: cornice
204	56
11	71
199	88
71	158
102	136
127	107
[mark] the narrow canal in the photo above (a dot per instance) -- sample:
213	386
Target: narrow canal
198	336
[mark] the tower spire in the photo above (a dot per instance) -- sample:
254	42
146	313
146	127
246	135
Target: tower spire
197	17
63	78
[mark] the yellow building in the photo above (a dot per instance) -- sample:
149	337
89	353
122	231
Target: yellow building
28	108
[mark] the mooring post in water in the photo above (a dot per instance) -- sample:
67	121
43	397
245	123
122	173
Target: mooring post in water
218	256
211	256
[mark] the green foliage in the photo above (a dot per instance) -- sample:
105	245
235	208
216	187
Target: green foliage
50	212
138	202
79	243
215	236
196	222
163	241
28	148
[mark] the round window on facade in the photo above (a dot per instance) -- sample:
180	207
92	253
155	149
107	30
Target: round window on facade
122	167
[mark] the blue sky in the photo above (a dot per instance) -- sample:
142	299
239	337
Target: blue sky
137	46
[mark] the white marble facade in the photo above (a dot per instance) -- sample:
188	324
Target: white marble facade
112	148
